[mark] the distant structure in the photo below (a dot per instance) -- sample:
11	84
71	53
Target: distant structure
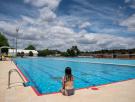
12	52
4	47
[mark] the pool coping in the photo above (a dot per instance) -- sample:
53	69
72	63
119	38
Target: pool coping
39	94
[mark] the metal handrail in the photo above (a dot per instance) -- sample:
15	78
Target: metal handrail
9	75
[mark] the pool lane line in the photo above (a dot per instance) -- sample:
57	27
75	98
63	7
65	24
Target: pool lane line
74	75
40	71
62	72
30	79
109	80
86	81
95	62
106	74
112	81
36	90
103	77
114	74
26	80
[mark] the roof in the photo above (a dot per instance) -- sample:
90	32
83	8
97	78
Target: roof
5	47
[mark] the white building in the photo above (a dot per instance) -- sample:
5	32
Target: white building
12	52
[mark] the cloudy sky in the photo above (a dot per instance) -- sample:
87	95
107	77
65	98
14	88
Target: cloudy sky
59	24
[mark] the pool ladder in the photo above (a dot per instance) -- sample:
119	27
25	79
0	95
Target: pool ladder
9	76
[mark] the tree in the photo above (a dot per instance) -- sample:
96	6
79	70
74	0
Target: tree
76	50
30	53
73	51
64	54
47	52
3	42
30	47
43	52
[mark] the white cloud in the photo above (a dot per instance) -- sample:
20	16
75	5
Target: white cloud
46	14
8	27
85	25
52	4
58	36
27	19
62	38
129	23
50	31
131	3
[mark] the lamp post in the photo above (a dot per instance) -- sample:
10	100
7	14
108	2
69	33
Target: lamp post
17	30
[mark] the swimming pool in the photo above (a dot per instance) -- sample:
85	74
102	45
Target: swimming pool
45	74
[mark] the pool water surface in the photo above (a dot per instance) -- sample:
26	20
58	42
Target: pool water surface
45	74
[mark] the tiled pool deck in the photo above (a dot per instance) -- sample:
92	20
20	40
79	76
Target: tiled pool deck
116	92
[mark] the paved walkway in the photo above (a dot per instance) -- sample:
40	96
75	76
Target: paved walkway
117	92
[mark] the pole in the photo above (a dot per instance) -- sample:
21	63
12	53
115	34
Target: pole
17	30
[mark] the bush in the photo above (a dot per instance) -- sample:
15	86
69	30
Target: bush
30	53
41	53
22	54
18	54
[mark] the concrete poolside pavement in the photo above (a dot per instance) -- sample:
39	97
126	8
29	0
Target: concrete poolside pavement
116	92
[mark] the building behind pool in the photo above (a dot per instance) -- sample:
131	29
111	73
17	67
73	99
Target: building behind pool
12	52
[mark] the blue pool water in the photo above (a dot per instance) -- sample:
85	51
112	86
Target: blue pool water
45	74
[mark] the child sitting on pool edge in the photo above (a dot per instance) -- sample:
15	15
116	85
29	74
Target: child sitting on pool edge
67	83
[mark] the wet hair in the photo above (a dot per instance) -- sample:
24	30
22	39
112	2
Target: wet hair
68	74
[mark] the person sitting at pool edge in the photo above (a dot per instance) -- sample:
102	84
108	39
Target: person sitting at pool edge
67	83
